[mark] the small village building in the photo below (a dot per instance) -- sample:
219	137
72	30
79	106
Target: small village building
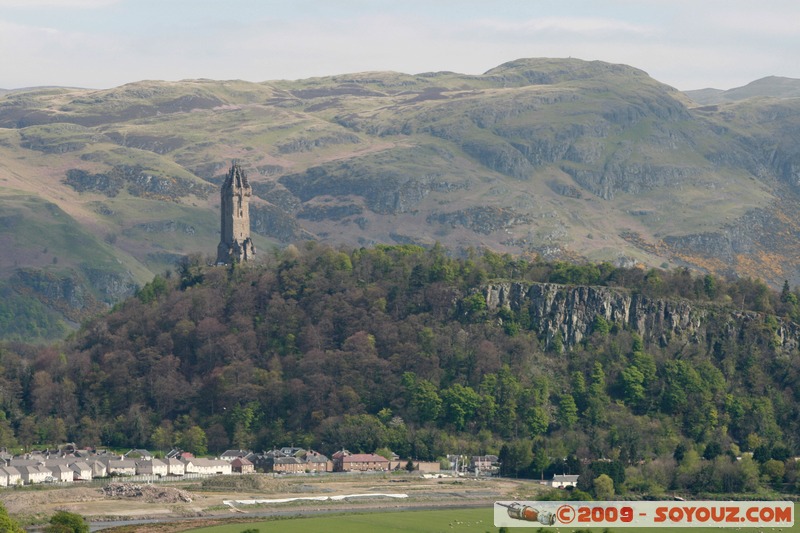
61	473
33	474
563	481
230	455
258	460
99	468
484	463
81	471
152	467
175	467
316	462
288	465
267	460
291	450
241	465
209	467
455	460
188	465
10	476
121	467
221	468
344	461
261	461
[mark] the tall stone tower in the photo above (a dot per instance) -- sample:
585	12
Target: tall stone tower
235	244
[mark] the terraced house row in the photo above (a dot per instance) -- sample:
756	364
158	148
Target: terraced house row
82	465
68	464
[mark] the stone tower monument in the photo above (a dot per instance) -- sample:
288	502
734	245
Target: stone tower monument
235	244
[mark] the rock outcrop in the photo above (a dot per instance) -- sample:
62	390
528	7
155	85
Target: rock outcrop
137	180
571	310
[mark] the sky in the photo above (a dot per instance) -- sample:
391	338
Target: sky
688	44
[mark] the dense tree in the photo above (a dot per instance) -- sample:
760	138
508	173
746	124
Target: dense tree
193	439
516	456
7	525
396	347
163	437
633	386
567	411
66	522
603	487
425	400
461	404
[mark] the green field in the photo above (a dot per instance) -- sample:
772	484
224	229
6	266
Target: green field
467	520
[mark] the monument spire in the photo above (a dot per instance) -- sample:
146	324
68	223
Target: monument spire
235	244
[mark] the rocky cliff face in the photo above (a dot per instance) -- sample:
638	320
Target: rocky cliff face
139	182
571	311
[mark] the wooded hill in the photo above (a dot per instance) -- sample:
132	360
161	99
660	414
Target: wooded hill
395	347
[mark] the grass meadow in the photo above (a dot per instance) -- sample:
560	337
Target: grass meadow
439	521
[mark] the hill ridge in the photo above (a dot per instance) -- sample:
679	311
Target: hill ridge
602	162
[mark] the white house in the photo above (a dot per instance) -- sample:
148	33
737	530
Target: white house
121	467
62	473
188	465
10	476
563	481
34	474
175	467
155	467
81	471
99	468
222	467
207	466
230	455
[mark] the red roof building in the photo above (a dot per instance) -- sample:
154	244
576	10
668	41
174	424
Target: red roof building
344	461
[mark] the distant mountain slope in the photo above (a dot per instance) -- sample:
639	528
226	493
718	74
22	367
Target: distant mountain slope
561	158
772	86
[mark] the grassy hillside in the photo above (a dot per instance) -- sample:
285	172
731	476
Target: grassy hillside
557	158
